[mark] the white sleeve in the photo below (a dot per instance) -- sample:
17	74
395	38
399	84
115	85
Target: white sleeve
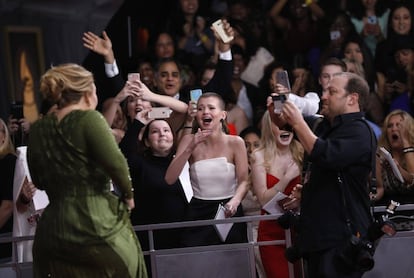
226	56
308	104
111	70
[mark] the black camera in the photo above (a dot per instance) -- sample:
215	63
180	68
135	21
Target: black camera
358	253
290	219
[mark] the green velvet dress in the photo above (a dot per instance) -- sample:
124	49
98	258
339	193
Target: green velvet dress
85	231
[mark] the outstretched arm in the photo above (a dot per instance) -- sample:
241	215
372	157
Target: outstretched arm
101	46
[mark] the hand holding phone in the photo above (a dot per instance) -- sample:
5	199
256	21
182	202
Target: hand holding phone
218	27
282	78
159	113
133	76
372	19
278	103
195	95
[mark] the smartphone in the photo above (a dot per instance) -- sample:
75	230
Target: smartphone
282	78
335	35
195	94
278	103
133	76
159	113
372	19
16	109
218	26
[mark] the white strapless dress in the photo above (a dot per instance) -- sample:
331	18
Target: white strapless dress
213	179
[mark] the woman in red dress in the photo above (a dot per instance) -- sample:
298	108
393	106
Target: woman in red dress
276	167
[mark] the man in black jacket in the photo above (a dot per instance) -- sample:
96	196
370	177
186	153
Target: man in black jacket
335	200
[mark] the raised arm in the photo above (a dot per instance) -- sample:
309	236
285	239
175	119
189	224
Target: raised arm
274	13
163	100
101	46
185	148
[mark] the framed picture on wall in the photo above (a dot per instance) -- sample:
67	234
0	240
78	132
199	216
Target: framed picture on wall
25	65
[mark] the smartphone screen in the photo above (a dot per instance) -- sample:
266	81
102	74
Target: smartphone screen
335	35
195	94
133	76
159	113
282	78
16	109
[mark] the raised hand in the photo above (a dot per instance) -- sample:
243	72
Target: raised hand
101	46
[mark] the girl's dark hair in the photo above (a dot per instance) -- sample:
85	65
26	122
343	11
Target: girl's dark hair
267	74
249	130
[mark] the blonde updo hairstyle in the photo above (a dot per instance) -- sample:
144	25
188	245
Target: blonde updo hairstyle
66	84
7	146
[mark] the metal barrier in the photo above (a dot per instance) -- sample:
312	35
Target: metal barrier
224	260
237	260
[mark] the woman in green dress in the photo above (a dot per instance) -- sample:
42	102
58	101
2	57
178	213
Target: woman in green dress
85	230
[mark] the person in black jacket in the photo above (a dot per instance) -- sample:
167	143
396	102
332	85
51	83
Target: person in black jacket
335	198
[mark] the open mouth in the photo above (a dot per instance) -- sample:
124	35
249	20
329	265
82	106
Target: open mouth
395	137
207	120
285	135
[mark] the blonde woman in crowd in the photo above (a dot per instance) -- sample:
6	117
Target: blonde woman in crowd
276	167
397	138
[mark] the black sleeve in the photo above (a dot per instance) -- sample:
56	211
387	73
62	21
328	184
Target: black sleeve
129	143
221	81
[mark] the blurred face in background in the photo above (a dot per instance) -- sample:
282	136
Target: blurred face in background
326	75
146	74
404	57
135	105
168	79
252	142
401	21
352	51
164	46
239	65
189	7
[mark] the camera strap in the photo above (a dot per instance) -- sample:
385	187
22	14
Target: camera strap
372	180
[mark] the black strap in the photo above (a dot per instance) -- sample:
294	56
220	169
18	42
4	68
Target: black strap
373	179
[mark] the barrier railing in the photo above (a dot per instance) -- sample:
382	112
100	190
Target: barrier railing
244	252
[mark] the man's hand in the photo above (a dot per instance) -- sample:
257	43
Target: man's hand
101	46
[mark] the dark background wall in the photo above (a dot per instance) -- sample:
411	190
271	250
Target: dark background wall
61	22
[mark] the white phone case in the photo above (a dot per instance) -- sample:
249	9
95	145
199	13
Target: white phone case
218	26
159	113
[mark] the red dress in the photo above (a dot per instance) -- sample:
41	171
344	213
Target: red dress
273	256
